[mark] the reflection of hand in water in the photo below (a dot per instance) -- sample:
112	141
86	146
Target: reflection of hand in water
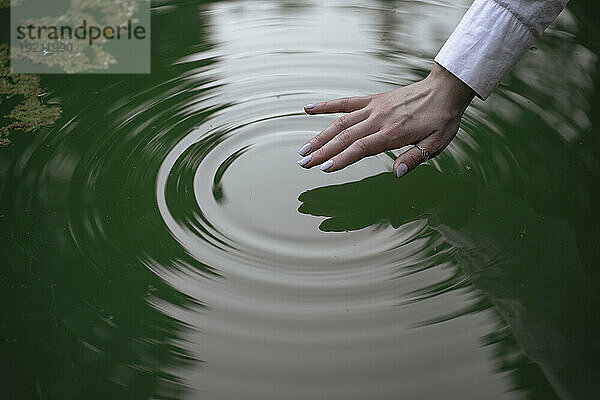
526	265
381	198
426	113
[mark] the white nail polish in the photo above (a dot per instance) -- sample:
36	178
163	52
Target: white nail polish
305	149
326	165
401	170
305	160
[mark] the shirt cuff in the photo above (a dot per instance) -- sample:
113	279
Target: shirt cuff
486	44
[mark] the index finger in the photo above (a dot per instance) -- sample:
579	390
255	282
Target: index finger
345	104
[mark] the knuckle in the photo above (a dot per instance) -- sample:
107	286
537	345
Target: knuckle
340	161
397	126
317	140
341	122
329	105
345	136
365	145
318	155
389	137
378	114
383	112
344	102
393	138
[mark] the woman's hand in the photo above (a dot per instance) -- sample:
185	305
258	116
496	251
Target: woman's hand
426	113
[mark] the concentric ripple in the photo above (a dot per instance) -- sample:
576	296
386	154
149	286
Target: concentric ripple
182	187
300	299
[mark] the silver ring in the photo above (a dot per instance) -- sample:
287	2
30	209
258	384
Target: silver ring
424	152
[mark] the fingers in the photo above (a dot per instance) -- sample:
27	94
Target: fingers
366	146
340	142
412	157
337	126
346	105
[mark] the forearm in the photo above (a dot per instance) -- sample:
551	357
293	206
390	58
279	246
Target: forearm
492	37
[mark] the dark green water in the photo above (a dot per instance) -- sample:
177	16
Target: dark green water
159	241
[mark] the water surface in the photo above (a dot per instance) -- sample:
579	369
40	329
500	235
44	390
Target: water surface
159	241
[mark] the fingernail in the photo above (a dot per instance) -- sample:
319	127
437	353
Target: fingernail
309	106
305	149
401	170
305	160
326	165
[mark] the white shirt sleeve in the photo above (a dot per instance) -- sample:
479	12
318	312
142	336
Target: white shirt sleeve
492	37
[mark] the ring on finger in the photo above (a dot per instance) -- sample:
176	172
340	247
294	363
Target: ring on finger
424	152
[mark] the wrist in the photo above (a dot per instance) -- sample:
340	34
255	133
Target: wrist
458	92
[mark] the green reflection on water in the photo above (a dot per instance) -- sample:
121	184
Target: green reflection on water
527	267
84	313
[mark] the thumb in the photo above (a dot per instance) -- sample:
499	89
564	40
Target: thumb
414	156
